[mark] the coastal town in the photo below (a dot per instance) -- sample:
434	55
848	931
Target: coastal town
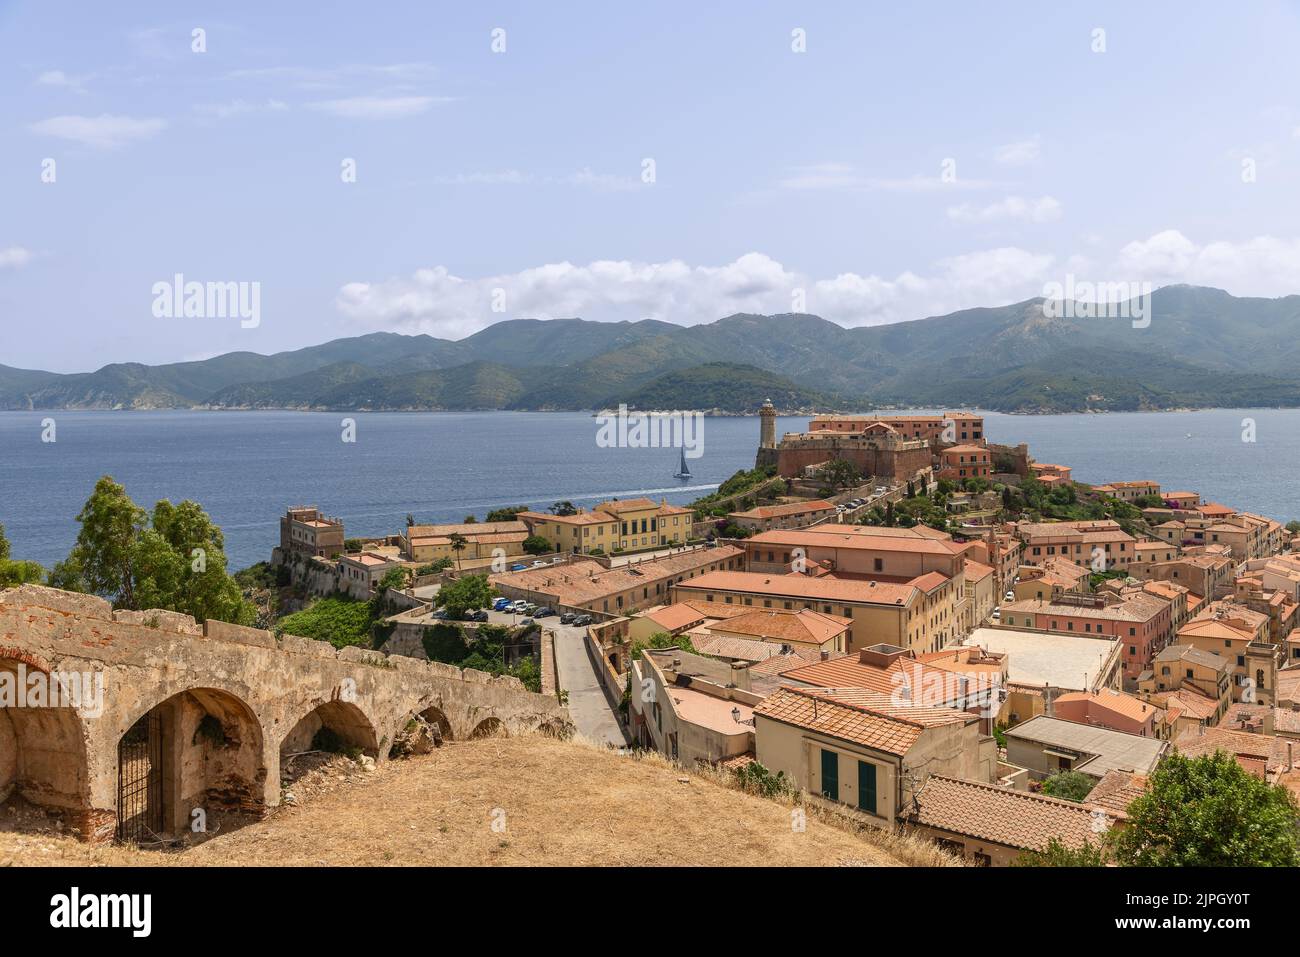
890	615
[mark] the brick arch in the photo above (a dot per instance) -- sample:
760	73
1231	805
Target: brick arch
43	750
346	719
209	747
442	716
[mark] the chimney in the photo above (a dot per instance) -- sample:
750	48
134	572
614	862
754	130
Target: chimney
825	655
880	655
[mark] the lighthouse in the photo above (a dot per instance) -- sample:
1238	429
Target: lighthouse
767	430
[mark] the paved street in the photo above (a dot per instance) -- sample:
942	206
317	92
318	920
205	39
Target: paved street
588	703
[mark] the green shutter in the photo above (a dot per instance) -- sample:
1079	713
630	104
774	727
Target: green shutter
830	775
867	787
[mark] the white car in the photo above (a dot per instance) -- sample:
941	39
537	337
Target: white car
997	613
1010	596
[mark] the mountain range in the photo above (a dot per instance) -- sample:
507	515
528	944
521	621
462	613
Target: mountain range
1202	348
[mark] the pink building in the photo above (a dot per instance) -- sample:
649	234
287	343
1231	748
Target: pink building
965	461
1110	709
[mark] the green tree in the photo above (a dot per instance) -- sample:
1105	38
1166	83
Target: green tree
506	514
110	525
458	544
1069	785
564	508
173	560
536	545
466	594
842	473
1209	812
14	573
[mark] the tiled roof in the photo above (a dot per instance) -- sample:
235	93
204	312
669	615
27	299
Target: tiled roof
852	536
470	530
1257	753
1111	700
856	716
790	508
1117	790
804	625
1003	815
802	586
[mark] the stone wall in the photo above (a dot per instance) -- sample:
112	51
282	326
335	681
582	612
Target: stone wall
230	699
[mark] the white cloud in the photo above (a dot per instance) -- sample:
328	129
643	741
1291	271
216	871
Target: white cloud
436	301
377	107
1044	209
1020	153
1262	266
102	132
61	80
231	108
845	177
14	257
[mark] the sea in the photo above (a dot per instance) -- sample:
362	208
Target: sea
245	468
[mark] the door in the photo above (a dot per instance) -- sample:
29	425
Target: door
867	787
830	775
139	781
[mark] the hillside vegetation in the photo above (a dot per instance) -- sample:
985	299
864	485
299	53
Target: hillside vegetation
1202	347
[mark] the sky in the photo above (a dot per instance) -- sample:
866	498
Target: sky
420	167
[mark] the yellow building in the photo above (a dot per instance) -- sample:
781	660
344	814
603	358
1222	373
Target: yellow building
428	543
627	525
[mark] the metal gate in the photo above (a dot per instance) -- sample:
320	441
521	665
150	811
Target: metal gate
139	781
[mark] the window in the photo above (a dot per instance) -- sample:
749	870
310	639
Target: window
866	787
830	775
879	564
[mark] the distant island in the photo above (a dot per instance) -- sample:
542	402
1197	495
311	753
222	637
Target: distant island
1203	348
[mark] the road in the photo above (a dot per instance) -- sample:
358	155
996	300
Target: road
575	673
588	703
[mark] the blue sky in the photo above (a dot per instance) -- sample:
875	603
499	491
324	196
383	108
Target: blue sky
1174	155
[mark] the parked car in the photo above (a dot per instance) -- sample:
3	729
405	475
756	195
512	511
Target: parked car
518	568
997	613
1010	596
518	605
526	622
501	604
567	618
582	620
546	611
479	615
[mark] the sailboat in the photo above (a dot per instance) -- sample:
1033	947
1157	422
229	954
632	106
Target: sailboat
683	471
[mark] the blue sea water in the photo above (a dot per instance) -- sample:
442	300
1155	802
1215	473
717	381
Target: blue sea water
246	467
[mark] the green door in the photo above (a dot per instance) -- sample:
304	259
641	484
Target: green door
831	775
867	787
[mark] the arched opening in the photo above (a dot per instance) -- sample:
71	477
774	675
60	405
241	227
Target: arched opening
489	728
421	733
338	727
42	738
553	729
187	761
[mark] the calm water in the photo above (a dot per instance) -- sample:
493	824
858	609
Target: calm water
245	467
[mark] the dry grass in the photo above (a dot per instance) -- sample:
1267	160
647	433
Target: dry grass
563	803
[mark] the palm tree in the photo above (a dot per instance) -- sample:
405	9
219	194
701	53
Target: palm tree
458	544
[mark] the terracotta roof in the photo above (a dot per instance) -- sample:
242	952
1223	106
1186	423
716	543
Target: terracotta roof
1257	753
790	508
902	676
804	625
470	530
1117	790
673	617
857	716
1005	816
1116	701
851	536
801	586
580	582
977	571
